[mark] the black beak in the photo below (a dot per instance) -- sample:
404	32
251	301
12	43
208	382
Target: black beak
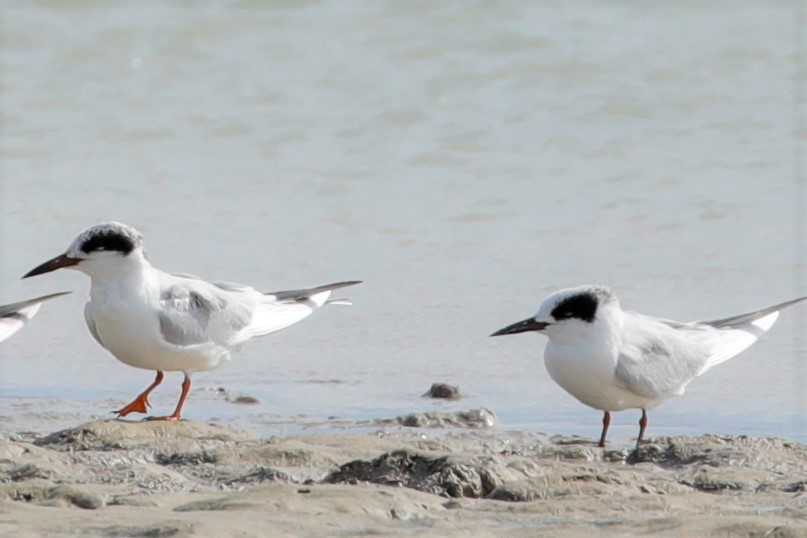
51	265
523	326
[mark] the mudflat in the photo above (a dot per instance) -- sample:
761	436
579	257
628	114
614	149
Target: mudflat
115	478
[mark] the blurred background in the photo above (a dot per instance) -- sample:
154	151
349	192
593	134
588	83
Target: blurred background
463	159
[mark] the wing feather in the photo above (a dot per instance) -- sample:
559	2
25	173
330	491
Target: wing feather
13	317
751	318
282	309
197	312
658	361
310	293
13	322
661	356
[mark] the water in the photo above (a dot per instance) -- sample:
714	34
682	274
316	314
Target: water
463	160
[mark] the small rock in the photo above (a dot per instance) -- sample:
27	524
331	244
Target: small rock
435	473
245	400
443	390
475	418
397	513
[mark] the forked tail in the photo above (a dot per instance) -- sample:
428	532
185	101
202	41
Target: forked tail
285	308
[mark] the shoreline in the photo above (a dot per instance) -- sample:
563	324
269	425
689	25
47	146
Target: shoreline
122	478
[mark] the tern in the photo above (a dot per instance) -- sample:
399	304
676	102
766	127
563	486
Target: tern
13	317
611	359
172	322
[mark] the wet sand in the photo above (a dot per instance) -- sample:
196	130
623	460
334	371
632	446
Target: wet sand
117	478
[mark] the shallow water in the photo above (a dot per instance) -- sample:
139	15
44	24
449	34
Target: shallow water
462	161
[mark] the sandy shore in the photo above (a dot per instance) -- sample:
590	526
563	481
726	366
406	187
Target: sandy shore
116	478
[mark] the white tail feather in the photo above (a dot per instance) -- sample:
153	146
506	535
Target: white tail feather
320	298
271	317
274	315
730	342
767	322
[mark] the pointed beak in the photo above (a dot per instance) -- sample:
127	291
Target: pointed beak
523	326
51	265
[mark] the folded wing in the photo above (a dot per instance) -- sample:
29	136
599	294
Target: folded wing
658	361
197	312
661	357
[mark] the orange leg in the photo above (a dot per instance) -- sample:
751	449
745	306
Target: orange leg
186	387
141	403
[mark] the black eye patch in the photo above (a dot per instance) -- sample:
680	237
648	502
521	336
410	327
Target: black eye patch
108	241
582	306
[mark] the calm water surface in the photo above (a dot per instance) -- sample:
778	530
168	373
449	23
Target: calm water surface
463	160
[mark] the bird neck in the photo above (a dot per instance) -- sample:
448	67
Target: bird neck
126	278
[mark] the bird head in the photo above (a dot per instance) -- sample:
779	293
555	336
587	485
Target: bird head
101	248
568	315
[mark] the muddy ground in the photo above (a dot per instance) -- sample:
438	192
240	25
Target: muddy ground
116	478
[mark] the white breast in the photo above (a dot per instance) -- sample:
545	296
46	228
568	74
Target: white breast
588	374
127	324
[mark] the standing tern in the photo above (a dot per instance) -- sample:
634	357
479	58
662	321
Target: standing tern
13	317
612	360
176	322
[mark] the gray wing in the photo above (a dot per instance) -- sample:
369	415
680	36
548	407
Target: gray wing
13	308
306	293
658	361
197	312
735	322
659	357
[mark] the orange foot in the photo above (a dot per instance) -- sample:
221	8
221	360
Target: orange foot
141	403
138	405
